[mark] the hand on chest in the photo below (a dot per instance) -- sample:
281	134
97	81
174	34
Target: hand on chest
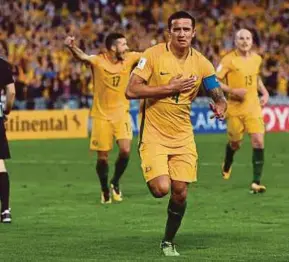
169	67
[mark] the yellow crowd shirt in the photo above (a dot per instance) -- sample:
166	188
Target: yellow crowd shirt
110	81
241	72
167	121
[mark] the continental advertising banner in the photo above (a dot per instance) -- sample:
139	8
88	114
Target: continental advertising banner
53	124
276	119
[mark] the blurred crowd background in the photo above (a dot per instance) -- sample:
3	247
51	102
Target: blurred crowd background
32	34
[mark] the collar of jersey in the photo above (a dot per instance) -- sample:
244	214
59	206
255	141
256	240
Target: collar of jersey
169	50
108	59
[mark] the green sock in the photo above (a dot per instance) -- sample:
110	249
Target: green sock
120	167
258	162
175	216
229	157
102	171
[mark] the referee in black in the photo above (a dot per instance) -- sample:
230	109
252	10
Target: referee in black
6	84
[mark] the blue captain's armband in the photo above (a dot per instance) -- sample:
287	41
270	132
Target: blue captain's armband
211	82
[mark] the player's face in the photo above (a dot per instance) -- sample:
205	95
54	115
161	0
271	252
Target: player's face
121	48
182	32
244	41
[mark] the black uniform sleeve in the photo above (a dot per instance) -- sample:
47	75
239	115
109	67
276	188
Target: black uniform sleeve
6	75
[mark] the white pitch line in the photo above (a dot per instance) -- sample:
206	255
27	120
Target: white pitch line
81	162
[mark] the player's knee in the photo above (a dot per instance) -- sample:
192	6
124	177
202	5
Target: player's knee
179	192
180	197
102	161
160	191
102	156
124	152
235	145
257	143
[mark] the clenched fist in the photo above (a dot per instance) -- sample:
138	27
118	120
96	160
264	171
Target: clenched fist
69	41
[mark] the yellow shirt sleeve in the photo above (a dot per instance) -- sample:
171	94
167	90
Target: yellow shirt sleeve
144	69
92	59
223	69
208	68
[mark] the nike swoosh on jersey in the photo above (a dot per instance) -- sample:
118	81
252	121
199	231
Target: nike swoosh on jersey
109	72
163	73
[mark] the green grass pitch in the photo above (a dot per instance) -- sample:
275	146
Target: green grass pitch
57	215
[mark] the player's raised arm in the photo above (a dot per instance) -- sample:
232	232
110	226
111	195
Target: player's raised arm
138	89
10	97
77	53
265	95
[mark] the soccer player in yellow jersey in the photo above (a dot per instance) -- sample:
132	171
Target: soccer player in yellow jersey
110	110
239	72
167	78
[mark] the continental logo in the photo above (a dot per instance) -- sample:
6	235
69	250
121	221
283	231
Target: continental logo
47	124
18	124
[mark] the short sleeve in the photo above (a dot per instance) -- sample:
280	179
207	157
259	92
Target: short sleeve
209	80
93	59
208	68
144	68
222	69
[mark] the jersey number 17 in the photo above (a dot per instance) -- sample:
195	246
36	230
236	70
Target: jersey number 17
115	81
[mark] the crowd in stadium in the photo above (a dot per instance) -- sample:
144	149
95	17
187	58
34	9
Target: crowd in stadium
32	34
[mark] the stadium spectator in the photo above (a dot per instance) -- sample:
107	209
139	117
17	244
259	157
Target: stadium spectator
32	33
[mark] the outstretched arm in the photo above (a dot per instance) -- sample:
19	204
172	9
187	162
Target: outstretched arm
77	53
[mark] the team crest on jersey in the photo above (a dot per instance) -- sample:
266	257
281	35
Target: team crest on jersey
148	169
141	63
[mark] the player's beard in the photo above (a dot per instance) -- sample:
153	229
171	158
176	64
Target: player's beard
120	56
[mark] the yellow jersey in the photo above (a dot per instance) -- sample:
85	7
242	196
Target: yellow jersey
109	82
241	72
167	121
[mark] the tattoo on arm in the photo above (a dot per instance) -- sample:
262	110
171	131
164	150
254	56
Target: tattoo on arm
78	53
217	95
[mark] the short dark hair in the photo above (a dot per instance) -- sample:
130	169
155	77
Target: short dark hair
111	38
179	15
